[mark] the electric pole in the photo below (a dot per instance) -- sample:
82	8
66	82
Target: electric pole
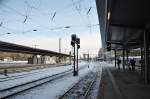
59	49
59	45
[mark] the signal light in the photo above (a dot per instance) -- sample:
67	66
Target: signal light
72	43
78	40
78	46
73	37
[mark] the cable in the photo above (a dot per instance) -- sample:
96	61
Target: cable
10	8
78	10
1	24
37	25
89	25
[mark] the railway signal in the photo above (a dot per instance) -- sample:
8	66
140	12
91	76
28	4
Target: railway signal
72	43
75	42
78	46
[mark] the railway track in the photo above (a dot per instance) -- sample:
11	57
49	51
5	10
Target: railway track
18	76
8	92
81	89
20	88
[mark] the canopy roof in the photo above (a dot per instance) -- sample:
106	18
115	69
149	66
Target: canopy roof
123	22
10	47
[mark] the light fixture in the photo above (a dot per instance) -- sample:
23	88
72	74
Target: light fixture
108	15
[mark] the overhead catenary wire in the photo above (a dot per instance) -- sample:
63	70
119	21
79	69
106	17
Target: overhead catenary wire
78	8
88	24
78	11
40	26
1	24
27	3
29	10
21	14
10	8
31	6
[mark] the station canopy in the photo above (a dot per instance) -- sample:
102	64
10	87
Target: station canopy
123	22
10	47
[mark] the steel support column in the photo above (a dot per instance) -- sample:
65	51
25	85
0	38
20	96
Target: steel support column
123	60
74	68
70	57
142	62
146	57
115	59
127	58
77	60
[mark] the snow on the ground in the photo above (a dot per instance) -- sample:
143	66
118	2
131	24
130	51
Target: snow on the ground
2	76
34	75
52	90
93	94
78	91
12	63
108	63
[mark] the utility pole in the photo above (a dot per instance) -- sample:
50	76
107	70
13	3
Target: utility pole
88	58
59	45
59	58
70	57
35	46
115	58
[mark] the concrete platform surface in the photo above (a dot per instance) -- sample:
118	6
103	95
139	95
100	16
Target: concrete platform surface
119	84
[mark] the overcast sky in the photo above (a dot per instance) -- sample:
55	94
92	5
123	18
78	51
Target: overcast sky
43	22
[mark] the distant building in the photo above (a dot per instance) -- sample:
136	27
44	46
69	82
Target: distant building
101	54
6	59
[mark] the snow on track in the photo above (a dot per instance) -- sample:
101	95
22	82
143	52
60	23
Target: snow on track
41	74
55	88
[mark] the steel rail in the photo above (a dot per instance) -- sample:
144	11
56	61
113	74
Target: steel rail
86	92
4	93
8	92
